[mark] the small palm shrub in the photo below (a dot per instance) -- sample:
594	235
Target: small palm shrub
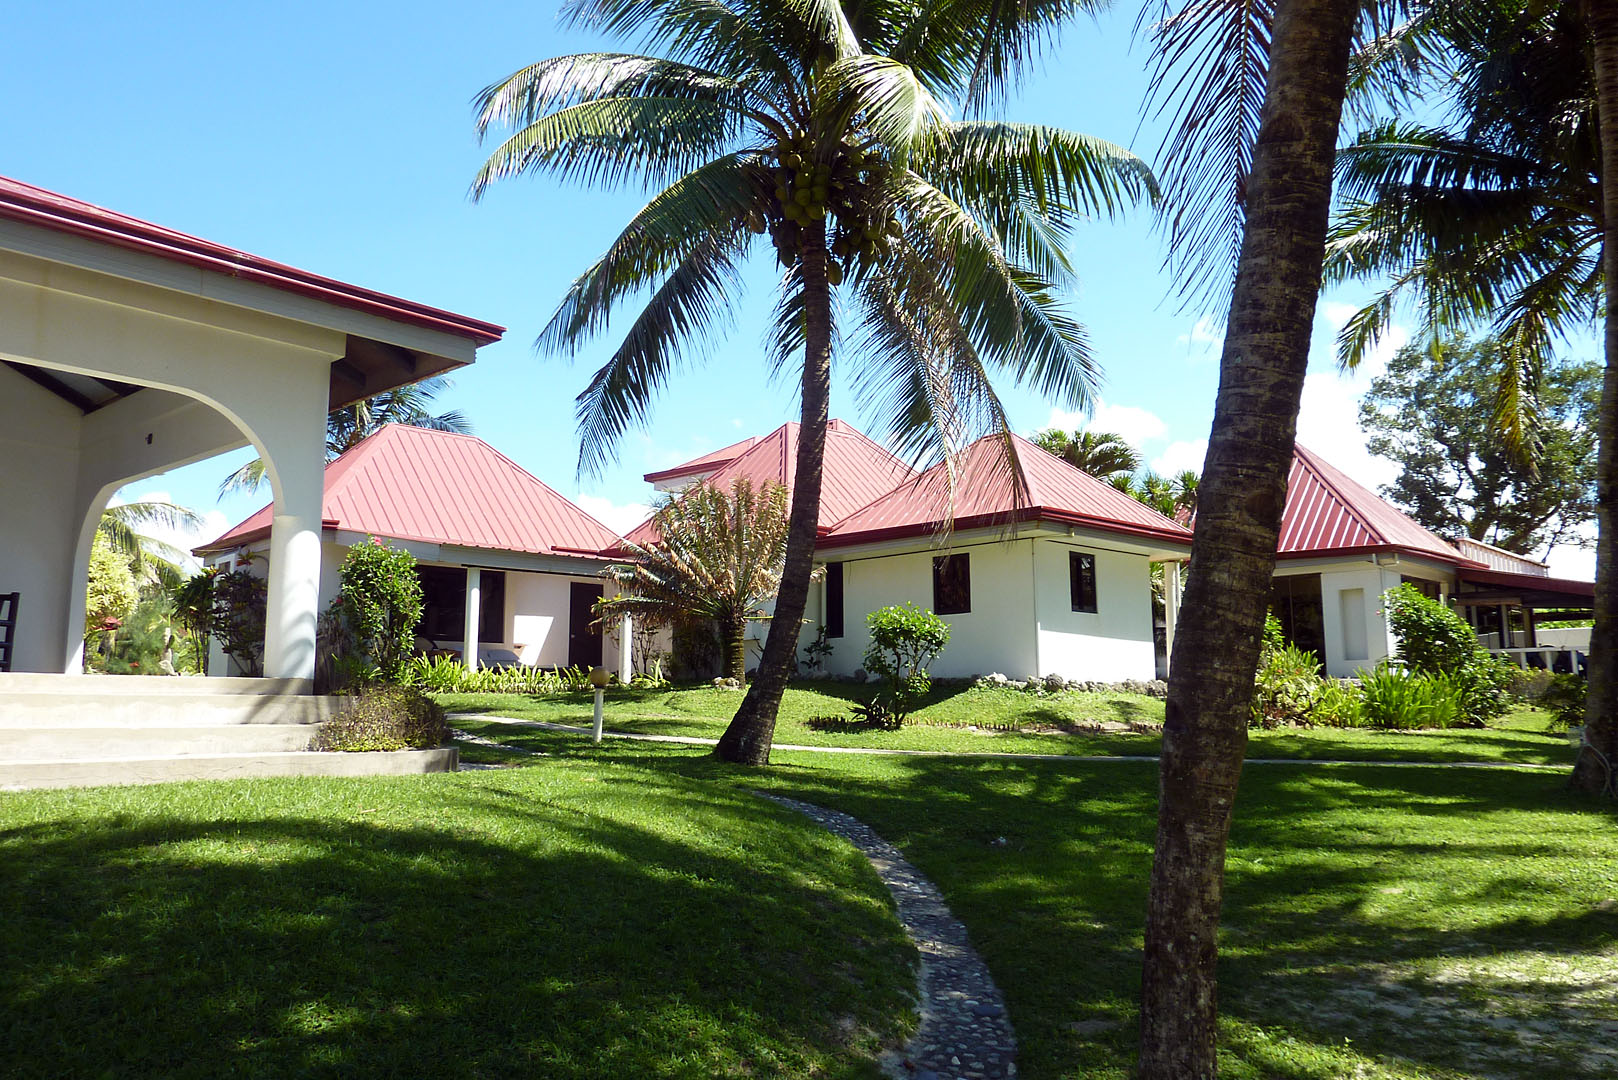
444	675
1395	699
1285	687
386	718
905	640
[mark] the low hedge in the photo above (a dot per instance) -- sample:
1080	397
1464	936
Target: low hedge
386	718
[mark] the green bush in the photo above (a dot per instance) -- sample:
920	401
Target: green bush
1285	686
1338	704
905	639
240	598
445	675
381	600
386	718
1565	698
1396	699
1433	640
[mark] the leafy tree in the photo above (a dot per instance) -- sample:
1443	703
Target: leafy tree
351	425
718	556
111	594
905	640
381	600
1100	453
1432	412
824	126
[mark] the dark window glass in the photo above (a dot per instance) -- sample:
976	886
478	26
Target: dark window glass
1295	600
834	599
952	585
443	604
491	606
1081	580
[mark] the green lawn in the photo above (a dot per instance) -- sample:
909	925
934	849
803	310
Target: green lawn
633	910
995	720
586	919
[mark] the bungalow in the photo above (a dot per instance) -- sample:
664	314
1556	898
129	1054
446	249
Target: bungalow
1054	579
509	568
1343	546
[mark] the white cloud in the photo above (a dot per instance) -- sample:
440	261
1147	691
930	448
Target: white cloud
1136	425
1577	564
1205	331
1328	424
619	517
1179	456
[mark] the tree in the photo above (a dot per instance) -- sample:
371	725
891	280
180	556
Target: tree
822	125
1433	412
347	427
1512	219
111	593
718	555
1261	90
155	563
1100	453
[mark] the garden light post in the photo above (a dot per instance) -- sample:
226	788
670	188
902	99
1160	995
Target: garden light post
599	676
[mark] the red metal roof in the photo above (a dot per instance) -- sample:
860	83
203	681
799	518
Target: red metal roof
857	471
1537	583
1327	512
984	495
409	483
705	463
36	206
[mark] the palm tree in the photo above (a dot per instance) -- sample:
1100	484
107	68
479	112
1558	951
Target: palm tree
154	562
1503	218
347	427
718	555
823	126
1258	90
1100	453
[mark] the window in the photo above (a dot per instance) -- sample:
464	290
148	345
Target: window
952	585
1081	580
834	599
443	604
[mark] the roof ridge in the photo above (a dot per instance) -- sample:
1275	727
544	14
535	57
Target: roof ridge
1315	463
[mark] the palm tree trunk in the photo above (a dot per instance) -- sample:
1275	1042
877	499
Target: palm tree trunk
747	740
735	631
1593	771
1239	504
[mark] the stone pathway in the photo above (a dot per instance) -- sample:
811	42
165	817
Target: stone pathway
964	1032
693	740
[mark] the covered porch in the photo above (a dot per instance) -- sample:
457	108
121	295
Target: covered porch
1507	608
127	350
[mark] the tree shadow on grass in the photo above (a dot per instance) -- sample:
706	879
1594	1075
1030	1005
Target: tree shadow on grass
1336	877
490	929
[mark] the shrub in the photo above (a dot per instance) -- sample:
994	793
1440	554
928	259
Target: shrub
1285	686
905	639
1565	697
239	601
1529	684
1338	704
381	598
386	718
1433	640
444	675
1400	700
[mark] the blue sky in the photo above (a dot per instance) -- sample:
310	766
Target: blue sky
338	137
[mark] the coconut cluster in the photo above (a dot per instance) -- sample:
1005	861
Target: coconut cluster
811	186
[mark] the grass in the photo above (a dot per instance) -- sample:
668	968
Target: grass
584	920
1379	923
997	720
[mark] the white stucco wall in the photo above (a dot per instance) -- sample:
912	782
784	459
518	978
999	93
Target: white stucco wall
1109	645
39	445
1357	634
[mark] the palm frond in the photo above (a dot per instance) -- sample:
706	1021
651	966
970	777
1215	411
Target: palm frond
890	102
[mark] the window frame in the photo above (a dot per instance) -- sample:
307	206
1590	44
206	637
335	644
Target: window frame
1076	561
834	600
946	564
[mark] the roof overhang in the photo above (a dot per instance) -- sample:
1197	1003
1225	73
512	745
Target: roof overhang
1494	587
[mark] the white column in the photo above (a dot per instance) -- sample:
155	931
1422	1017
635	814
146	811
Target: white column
298	461
474	611
1171	608
626	649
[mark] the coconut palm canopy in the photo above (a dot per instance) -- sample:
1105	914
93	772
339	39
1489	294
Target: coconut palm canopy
153	561
1100	453
826	129
1493	219
718	556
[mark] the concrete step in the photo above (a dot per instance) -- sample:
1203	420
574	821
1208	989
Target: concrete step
24	682
18	775
100	707
92	743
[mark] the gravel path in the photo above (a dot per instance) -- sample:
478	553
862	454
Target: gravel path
964	1032
693	740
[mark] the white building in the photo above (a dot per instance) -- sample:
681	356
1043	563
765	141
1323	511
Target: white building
497	550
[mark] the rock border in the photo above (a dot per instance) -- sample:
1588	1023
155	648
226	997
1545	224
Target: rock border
964	1032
